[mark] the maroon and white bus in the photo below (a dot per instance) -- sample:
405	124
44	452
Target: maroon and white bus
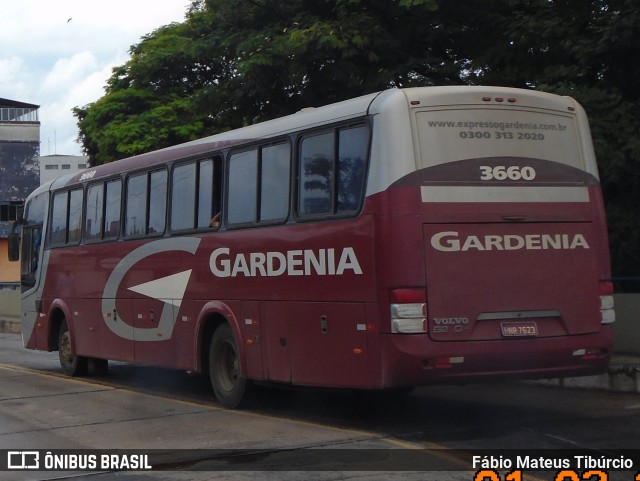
399	239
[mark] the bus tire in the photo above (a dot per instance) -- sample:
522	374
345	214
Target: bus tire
224	368
71	364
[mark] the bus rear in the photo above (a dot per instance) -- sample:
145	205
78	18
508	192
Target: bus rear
500	262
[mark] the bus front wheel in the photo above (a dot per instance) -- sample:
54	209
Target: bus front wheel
72	365
224	368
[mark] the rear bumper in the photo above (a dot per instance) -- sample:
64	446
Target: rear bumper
415	360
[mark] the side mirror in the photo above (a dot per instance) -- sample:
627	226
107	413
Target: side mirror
14	247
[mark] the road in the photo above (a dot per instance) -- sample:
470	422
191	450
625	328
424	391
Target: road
140	408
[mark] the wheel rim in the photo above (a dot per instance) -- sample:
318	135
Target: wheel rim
227	366
65	348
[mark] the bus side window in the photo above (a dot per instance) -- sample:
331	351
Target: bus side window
209	192
259	184
113	197
353	144
315	190
275	182
183	196
136	206
93	221
75	216
332	169
157	202
243	187
58	234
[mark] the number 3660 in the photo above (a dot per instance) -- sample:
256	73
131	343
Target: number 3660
501	172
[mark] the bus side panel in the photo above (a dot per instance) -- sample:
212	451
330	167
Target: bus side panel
275	331
250	325
89	327
416	360
325	343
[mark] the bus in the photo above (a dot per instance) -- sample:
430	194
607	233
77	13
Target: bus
399	239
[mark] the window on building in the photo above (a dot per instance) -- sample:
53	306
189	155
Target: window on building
10	211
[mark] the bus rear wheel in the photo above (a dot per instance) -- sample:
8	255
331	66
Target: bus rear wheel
224	368
72	365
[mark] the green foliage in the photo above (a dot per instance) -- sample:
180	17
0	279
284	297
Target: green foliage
234	62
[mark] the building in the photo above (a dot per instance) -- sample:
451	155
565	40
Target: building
19	173
53	166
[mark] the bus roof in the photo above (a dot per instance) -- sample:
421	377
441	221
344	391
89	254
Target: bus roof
304	119
318	116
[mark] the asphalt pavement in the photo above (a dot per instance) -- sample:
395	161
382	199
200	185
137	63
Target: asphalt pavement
623	374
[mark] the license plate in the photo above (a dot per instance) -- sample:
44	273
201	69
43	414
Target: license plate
519	329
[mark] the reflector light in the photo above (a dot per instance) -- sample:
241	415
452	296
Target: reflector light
408	311
606	288
408	295
607	312
408	326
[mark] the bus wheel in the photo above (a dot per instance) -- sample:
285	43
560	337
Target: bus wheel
71	364
224	368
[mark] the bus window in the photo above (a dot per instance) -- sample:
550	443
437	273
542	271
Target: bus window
75	216
59	219
205	194
328	187
274	182
209	191
136	206
183	196
146	204
352	154
157	202
93	221
112	209
316	175
243	173
32	238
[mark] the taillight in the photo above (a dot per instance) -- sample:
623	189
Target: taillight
408	311
608	314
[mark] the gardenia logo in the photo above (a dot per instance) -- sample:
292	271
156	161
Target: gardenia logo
321	262
451	241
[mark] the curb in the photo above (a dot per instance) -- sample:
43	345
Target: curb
10	326
619	378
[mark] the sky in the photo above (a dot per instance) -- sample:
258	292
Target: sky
59	55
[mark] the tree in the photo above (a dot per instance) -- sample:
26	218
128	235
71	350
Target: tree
583	49
235	62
